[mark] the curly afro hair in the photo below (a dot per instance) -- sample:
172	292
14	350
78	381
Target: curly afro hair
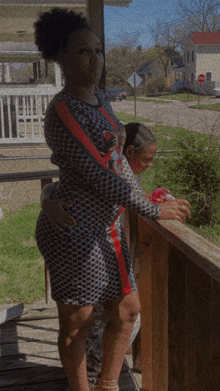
53	28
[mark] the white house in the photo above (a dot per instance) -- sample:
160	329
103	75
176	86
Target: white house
202	57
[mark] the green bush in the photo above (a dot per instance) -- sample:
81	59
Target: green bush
195	175
157	84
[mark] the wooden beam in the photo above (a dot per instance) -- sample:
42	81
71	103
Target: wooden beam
153	289
27	176
35	70
95	16
200	251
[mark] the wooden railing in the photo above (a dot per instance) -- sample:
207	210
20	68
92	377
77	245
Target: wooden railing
22	113
179	286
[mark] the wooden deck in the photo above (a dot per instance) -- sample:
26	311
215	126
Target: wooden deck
29	356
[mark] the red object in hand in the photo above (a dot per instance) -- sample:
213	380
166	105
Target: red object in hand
160	195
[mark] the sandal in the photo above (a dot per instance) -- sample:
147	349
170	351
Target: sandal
103	385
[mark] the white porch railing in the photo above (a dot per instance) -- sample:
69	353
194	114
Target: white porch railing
22	111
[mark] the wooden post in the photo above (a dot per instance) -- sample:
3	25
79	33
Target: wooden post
39	70
7	74
58	77
133	244
95	16
46	68
3	72
177	320
35	70
153	286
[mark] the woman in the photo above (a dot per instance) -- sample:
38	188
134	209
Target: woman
140	148
90	263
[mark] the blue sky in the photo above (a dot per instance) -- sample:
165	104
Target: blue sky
139	17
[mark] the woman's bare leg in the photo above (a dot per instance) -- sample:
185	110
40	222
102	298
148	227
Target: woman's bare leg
72	342
122	313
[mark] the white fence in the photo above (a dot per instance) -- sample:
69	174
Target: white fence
22	111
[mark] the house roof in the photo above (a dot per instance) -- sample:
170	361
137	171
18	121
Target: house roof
205	38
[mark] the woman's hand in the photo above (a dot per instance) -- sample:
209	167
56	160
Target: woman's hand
176	209
57	215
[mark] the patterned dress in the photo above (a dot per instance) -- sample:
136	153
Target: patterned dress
90	263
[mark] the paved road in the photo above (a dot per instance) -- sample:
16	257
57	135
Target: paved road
174	113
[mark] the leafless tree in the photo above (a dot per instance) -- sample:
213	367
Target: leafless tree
122	59
191	15
200	15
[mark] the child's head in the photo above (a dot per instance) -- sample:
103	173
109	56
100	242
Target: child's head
140	146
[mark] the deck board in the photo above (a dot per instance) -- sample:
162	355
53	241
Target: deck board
29	359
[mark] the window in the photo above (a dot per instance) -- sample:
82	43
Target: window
188	56
192	76
208	76
192	55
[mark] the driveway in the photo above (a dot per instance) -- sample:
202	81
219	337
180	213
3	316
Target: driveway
174	113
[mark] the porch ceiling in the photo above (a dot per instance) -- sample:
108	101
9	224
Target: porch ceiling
17	16
17	19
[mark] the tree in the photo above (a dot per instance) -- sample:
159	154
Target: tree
192	15
167	41
200	15
122	60
159	57
167	34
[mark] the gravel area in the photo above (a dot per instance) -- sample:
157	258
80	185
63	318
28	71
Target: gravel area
175	113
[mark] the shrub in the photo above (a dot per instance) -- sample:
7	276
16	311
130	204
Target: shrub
157	84
196	176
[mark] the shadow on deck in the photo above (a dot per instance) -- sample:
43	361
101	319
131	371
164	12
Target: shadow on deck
29	355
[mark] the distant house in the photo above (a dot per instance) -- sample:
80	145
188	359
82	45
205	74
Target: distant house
155	68
148	70
202	56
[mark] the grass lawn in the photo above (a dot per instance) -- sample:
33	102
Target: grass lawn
142	99
169	137
184	97
130	118
172	138
21	264
214	107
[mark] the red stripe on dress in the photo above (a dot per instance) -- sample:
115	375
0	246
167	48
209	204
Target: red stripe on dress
77	131
108	117
126	287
